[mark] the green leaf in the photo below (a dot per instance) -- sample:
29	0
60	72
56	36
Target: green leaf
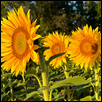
5	75
93	97
81	86
73	99
59	96
99	98
87	98
53	76
24	91
15	81
6	84
54	56
76	80
79	92
20	93
3	95
42	49
31	70
37	69
20	84
43	88
31	94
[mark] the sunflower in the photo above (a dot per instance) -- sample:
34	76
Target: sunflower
57	43
17	37
85	46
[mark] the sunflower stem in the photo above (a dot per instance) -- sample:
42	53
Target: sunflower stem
68	87
23	81
50	95
44	76
37	79
97	82
11	90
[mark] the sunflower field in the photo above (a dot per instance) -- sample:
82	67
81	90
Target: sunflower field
50	51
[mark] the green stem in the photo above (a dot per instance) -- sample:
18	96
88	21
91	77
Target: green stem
23	81
97	82
3	77
11	90
68	87
37	79
50	94
44	76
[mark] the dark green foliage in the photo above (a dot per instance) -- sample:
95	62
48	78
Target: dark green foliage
94	13
63	16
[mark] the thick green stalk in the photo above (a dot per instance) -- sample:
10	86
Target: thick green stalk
97	82
44	76
68	87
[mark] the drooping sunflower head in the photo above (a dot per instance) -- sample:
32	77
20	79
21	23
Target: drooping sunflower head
57	43
17	37
85	47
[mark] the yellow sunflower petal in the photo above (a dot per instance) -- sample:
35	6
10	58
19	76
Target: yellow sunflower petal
7	23
7	63
35	47
33	24
17	39
7	31
57	43
14	65
85	46
34	29
5	49
5	45
12	18
4	36
36	37
64	60
5	53
6	57
34	56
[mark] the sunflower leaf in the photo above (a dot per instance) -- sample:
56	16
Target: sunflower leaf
42	49
53	57
43	88
59	96
76	80
6	75
31	94
77	87
87	98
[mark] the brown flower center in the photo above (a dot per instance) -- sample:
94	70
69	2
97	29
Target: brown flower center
88	46
56	48
19	42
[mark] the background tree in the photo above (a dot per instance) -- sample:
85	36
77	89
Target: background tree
91	13
63	16
98	16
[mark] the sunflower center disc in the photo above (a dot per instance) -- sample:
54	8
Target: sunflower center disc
88	46
19	42
56	48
